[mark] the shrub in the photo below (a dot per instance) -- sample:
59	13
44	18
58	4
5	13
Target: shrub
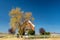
31	32
47	33
42	31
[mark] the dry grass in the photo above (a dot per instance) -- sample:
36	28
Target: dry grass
11	39
29	39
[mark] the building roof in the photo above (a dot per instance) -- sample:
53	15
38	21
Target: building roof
31	23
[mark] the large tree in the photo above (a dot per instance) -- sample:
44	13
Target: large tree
16	16
19	20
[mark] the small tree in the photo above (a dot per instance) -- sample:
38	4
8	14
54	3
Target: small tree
42	31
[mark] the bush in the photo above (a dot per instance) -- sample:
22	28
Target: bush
42	31
47	33
31	32
11	31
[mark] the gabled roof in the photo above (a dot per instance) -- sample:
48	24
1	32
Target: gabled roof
31	23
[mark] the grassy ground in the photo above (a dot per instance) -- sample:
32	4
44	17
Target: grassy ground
29	39
10	37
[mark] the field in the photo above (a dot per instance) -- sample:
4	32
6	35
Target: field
11	37
29	39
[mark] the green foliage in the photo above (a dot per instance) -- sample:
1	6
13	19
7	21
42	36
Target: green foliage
31	32
47	33
43	32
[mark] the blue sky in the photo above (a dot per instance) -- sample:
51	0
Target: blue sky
45	12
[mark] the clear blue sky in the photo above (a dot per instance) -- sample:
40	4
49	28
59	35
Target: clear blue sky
45	12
